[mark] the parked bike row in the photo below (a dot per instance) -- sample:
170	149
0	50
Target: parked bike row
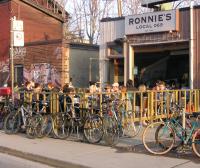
106	117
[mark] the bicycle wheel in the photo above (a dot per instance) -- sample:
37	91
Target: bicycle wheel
12	123
158	138
111	130
196	142
31	132
39	126
93	129
62	126
46	126
131	128
34	126
3	114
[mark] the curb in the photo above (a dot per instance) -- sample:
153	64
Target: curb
39	158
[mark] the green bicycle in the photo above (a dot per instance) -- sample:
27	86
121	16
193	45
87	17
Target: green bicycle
161	137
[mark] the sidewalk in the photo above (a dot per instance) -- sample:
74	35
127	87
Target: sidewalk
63	153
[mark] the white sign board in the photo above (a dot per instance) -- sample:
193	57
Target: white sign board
18	25
150	22
18	38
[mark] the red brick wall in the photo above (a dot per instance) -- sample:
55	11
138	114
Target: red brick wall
38	26
50	53
40	30
5	29
4	41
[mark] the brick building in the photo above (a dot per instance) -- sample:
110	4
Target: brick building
43	34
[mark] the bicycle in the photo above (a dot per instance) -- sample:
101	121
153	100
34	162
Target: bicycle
160	137
6	107
129	127
118	121
46	127
93	122
111	125
24	118
69	121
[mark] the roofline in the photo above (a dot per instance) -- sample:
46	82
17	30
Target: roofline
108	19
84	45
152	4
42	9
45	42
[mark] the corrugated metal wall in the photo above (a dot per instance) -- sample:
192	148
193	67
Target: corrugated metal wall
83	65
109	31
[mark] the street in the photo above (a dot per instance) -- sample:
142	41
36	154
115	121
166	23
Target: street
8	161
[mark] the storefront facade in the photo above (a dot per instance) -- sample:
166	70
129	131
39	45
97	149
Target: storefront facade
152	46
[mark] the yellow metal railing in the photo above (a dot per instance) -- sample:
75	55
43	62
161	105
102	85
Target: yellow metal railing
149	105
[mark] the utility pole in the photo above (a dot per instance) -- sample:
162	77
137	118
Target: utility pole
119	6
11	58
16	40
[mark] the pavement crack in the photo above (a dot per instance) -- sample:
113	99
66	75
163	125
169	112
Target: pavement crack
181	164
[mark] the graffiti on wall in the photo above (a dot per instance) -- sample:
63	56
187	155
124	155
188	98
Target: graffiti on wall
58	52
43	73
4	71
19	52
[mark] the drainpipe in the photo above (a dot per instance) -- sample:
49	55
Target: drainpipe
191	58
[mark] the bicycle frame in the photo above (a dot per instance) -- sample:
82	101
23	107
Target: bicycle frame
182	134
25	111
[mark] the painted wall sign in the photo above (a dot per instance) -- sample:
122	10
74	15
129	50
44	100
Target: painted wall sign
151	22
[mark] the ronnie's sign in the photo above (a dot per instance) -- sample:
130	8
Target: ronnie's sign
151	22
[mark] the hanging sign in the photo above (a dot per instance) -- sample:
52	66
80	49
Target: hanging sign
18	38
151	22
18	25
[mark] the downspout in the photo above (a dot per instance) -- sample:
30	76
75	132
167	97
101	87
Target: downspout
191	58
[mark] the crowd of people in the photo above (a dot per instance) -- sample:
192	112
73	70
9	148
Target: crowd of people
115	87
95	87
